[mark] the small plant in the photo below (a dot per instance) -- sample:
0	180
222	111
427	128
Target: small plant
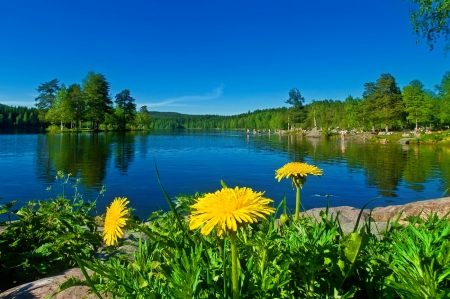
420	259
45	237
7	209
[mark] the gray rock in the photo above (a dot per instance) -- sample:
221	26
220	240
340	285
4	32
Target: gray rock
404	141
346	214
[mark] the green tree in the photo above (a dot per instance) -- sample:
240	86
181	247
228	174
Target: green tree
61	110
78	102
353	115
369	106
25	118
418	106
383	101
47	92
430	20
444	99
98	102
19	120
295	99
125	102
143	118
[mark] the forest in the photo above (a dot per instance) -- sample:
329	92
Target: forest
89	106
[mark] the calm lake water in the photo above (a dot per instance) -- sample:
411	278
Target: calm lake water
195	161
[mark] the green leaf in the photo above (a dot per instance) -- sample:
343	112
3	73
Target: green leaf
353	243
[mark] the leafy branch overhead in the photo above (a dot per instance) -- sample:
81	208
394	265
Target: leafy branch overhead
431	21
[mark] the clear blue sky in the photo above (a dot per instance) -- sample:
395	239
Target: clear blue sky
212	56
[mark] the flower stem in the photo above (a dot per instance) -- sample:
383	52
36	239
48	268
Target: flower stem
297	204
234	268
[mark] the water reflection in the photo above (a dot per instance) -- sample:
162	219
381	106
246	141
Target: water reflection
350	166
385	166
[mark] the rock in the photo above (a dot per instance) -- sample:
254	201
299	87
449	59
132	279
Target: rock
440	206
46	286
314	134
404	141
347	218
346	214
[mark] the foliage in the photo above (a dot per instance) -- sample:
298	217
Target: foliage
142	120
98	102
419	258
125	102
296	112
431	21
418	105
382	104
18	117
295	98
7	209
77	103
47	93
431	138
306	258
61	110
45	238
443	99
383	101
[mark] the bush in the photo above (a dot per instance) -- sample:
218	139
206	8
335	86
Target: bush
45	238
431	138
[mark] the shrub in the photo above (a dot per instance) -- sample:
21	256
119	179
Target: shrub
45	238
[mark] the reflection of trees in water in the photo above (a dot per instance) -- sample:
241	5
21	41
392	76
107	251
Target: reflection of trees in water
95	152
384	169
124	144
43	163
443	158
384	166
86	155
418	165
83	155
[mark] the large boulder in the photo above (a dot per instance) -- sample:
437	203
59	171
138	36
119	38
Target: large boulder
440	206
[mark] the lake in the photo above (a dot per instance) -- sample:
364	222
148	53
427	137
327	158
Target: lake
196	161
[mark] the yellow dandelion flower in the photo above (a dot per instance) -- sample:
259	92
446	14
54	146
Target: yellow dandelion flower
227	208
116	218
298	172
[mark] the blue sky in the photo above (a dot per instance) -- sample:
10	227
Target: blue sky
212	56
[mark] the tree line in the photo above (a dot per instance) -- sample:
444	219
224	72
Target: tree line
18	117
383	104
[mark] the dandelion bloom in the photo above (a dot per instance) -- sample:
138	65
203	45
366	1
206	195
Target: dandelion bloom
297	171
227	208
115	219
